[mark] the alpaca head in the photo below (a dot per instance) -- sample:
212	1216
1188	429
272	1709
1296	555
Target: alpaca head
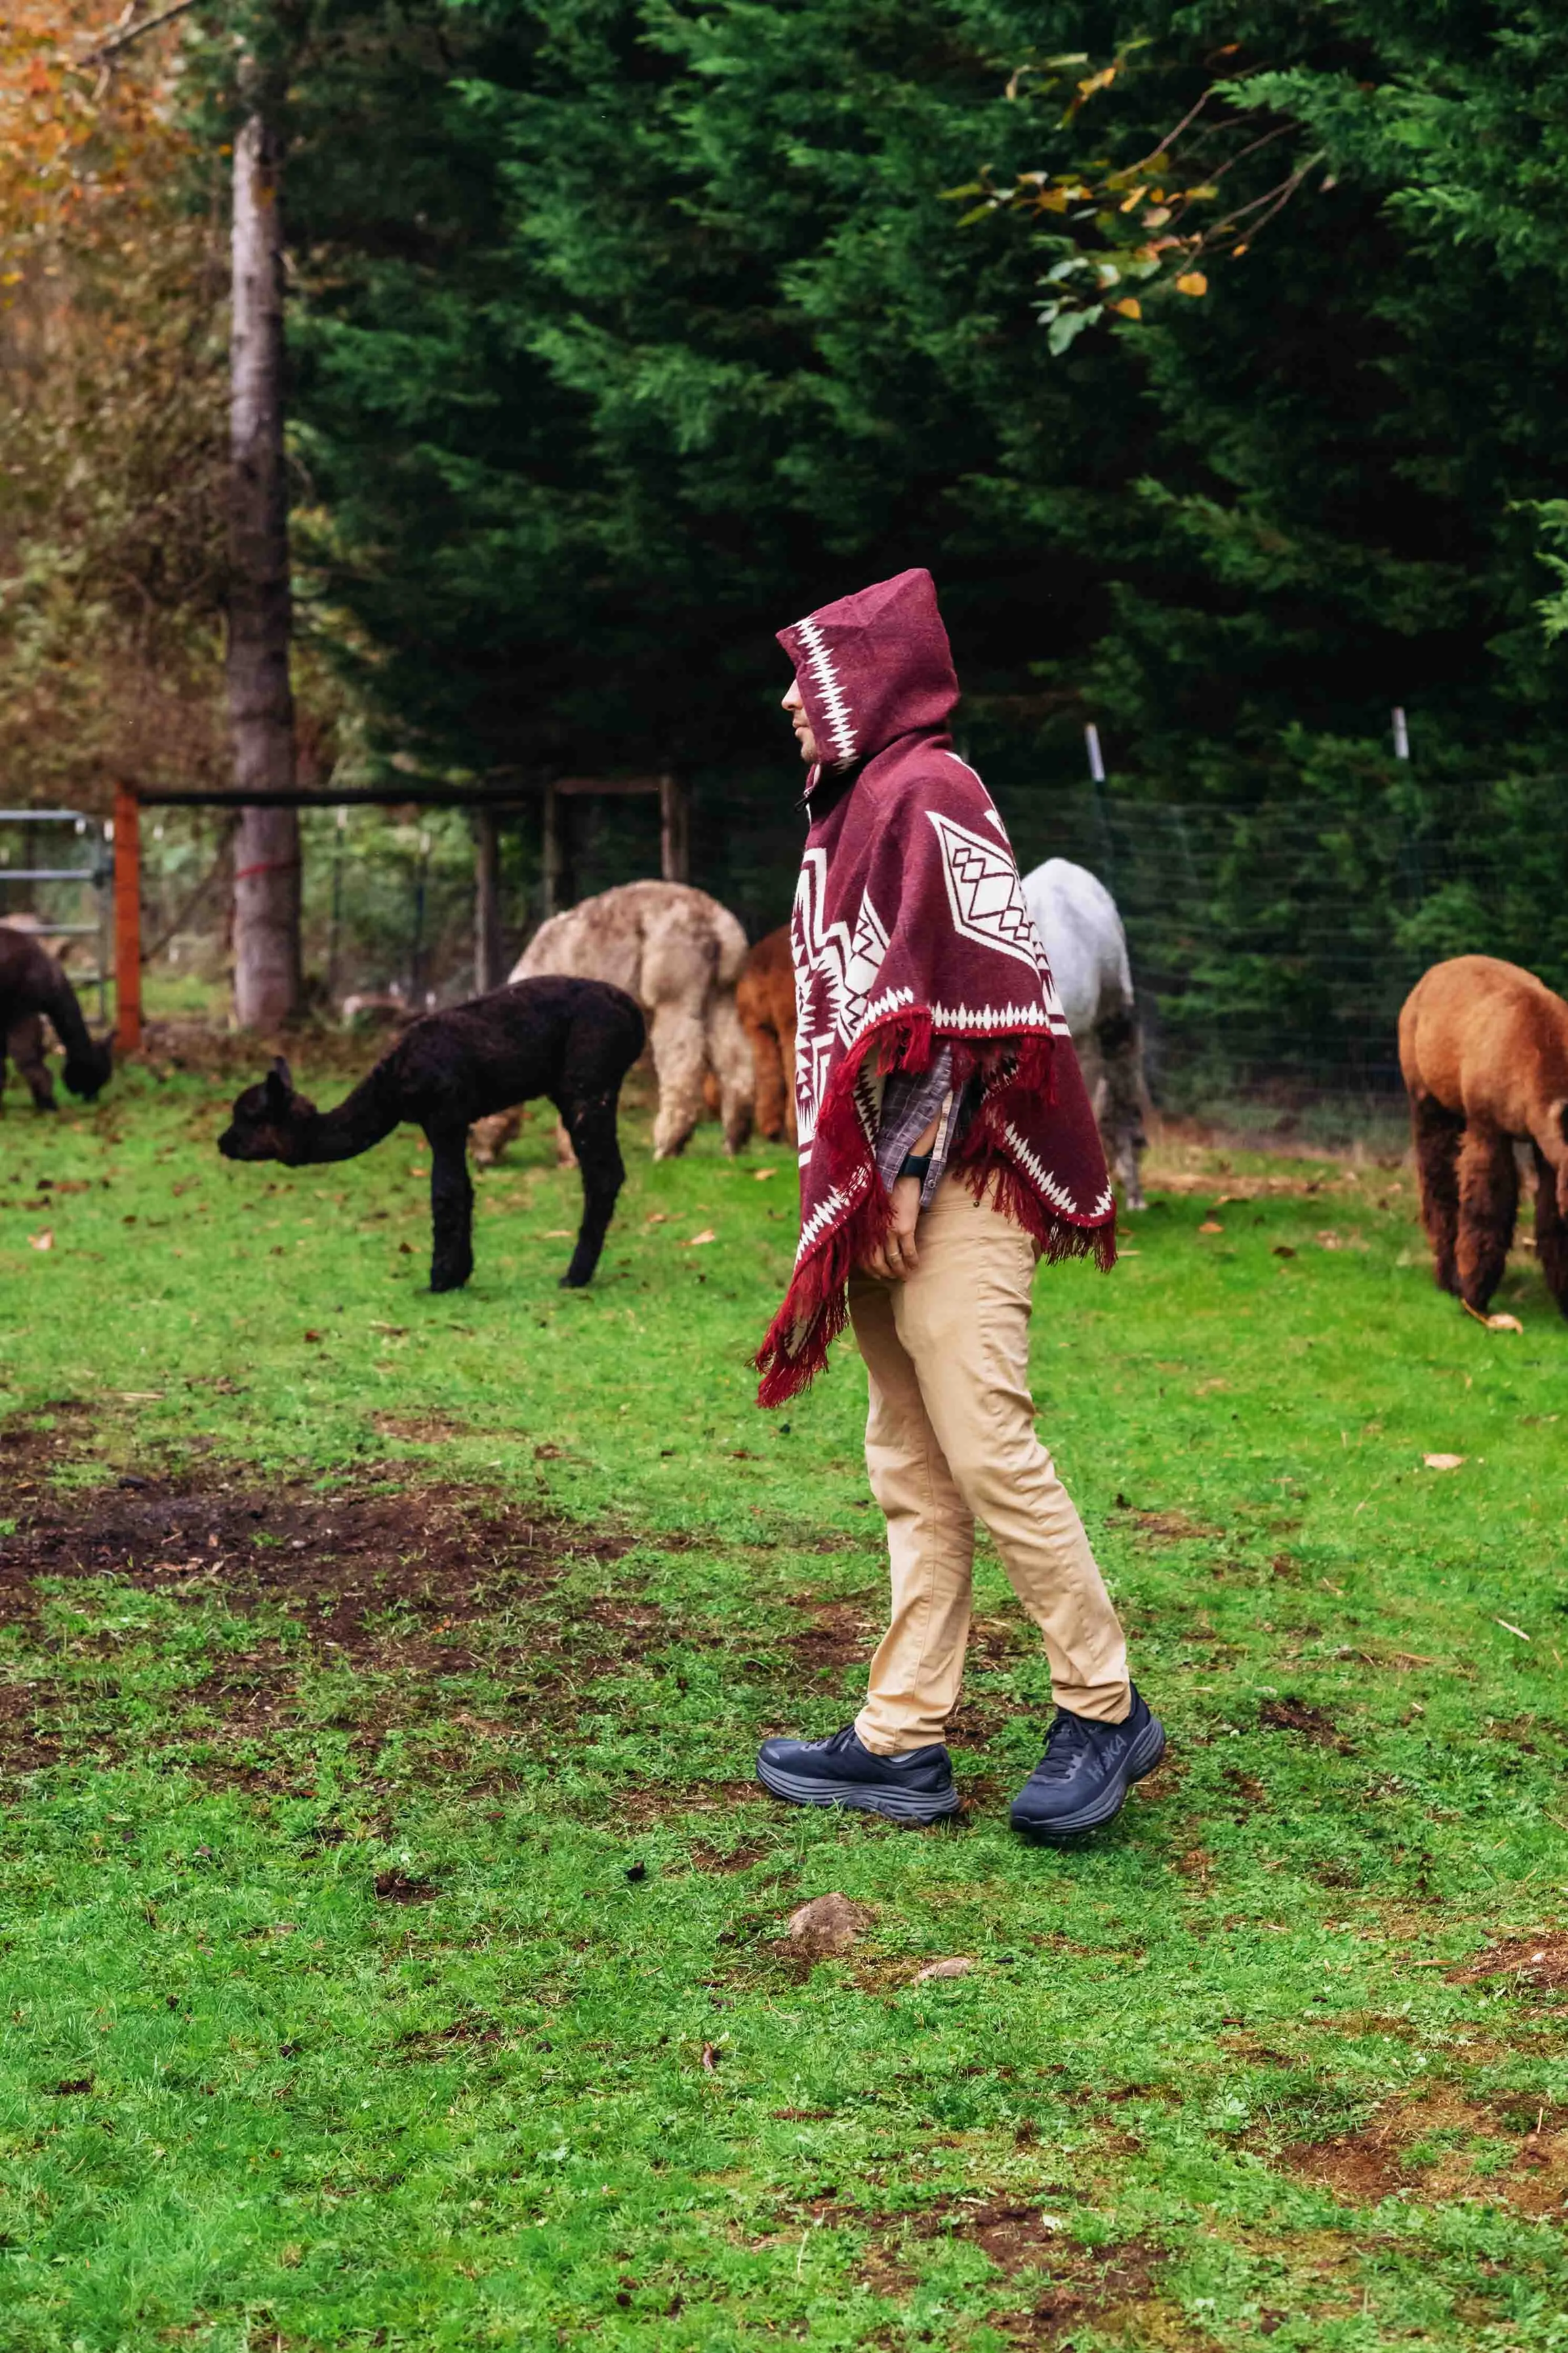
270	1122
87	1074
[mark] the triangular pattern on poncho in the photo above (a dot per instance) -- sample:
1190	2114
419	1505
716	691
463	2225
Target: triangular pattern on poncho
910	929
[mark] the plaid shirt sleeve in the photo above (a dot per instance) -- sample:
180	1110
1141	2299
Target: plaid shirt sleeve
911	1101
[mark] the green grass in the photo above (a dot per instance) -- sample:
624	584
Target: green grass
577	2094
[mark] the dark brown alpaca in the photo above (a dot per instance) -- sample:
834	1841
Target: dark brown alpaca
764	1000
1484	1048
33	987
571	1040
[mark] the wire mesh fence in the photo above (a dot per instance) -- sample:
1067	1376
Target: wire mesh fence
1272	948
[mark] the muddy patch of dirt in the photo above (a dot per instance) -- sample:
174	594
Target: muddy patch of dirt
1292	1714
1506	2148
381	1577
703	1857
1171	1527
1530	1961
1108	2288
420	1429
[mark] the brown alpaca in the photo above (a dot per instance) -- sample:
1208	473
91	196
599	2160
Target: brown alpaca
680	953
765	1003
1484	1049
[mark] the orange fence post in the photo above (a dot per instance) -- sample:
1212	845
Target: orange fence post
127	920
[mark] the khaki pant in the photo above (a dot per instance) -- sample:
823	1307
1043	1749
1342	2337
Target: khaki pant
951	1439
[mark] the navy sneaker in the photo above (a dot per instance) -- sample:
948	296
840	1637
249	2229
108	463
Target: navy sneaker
914	1787
1081	1782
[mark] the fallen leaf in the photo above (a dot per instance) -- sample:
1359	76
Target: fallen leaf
828	1923
760	1175
955	1968
46	1240
657	1217
556	1234
1442	1461
1330	1241
1211	1226
711	2058
697	1240
139	1397
1510	1627
1498	1323
313	1335
1283	1250
636	1871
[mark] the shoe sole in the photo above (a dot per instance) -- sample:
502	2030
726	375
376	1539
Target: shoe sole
796	1790
1147	1751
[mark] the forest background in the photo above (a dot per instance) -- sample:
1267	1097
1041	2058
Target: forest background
620	335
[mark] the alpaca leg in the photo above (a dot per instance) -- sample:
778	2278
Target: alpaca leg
1121	1103
1550	1231
1437	1134
679	1045
490	1136
786	1057
1489	1200
768	1081
592	1126
732	1061
451	1208
25	1044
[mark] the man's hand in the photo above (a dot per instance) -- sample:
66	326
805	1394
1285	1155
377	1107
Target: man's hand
896	1256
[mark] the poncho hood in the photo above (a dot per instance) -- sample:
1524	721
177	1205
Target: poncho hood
871	667
911	932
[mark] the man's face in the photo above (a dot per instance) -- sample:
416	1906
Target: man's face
801	724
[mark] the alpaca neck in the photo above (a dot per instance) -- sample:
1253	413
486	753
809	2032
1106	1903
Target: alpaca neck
360	1119
60	1003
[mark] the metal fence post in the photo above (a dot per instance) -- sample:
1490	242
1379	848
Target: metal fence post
127	920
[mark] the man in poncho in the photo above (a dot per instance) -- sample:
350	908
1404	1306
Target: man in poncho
946	1143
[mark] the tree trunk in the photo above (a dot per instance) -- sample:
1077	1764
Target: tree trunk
267	976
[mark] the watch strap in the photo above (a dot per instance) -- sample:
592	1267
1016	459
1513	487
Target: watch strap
915	1164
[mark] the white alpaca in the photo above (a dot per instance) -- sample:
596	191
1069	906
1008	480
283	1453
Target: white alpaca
1075	917
680	953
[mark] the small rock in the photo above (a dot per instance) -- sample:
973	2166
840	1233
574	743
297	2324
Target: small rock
828	1923
955	1968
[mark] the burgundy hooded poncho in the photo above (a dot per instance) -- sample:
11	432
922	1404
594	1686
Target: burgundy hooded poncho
909	930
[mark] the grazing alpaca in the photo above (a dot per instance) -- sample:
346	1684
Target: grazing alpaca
572	1040
1484	1048
764	1000
32	986
680	953
1075	917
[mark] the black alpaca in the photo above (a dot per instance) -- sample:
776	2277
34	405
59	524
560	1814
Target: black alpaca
571	1040
31	985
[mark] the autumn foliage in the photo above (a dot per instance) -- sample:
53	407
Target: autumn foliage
111	327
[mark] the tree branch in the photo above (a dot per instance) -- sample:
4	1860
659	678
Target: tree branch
112	43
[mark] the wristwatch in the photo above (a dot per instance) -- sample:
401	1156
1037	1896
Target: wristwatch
915	1164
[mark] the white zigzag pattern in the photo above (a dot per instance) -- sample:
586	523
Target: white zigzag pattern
820	663
829	1211
835	971
1054	1190
1003	1017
